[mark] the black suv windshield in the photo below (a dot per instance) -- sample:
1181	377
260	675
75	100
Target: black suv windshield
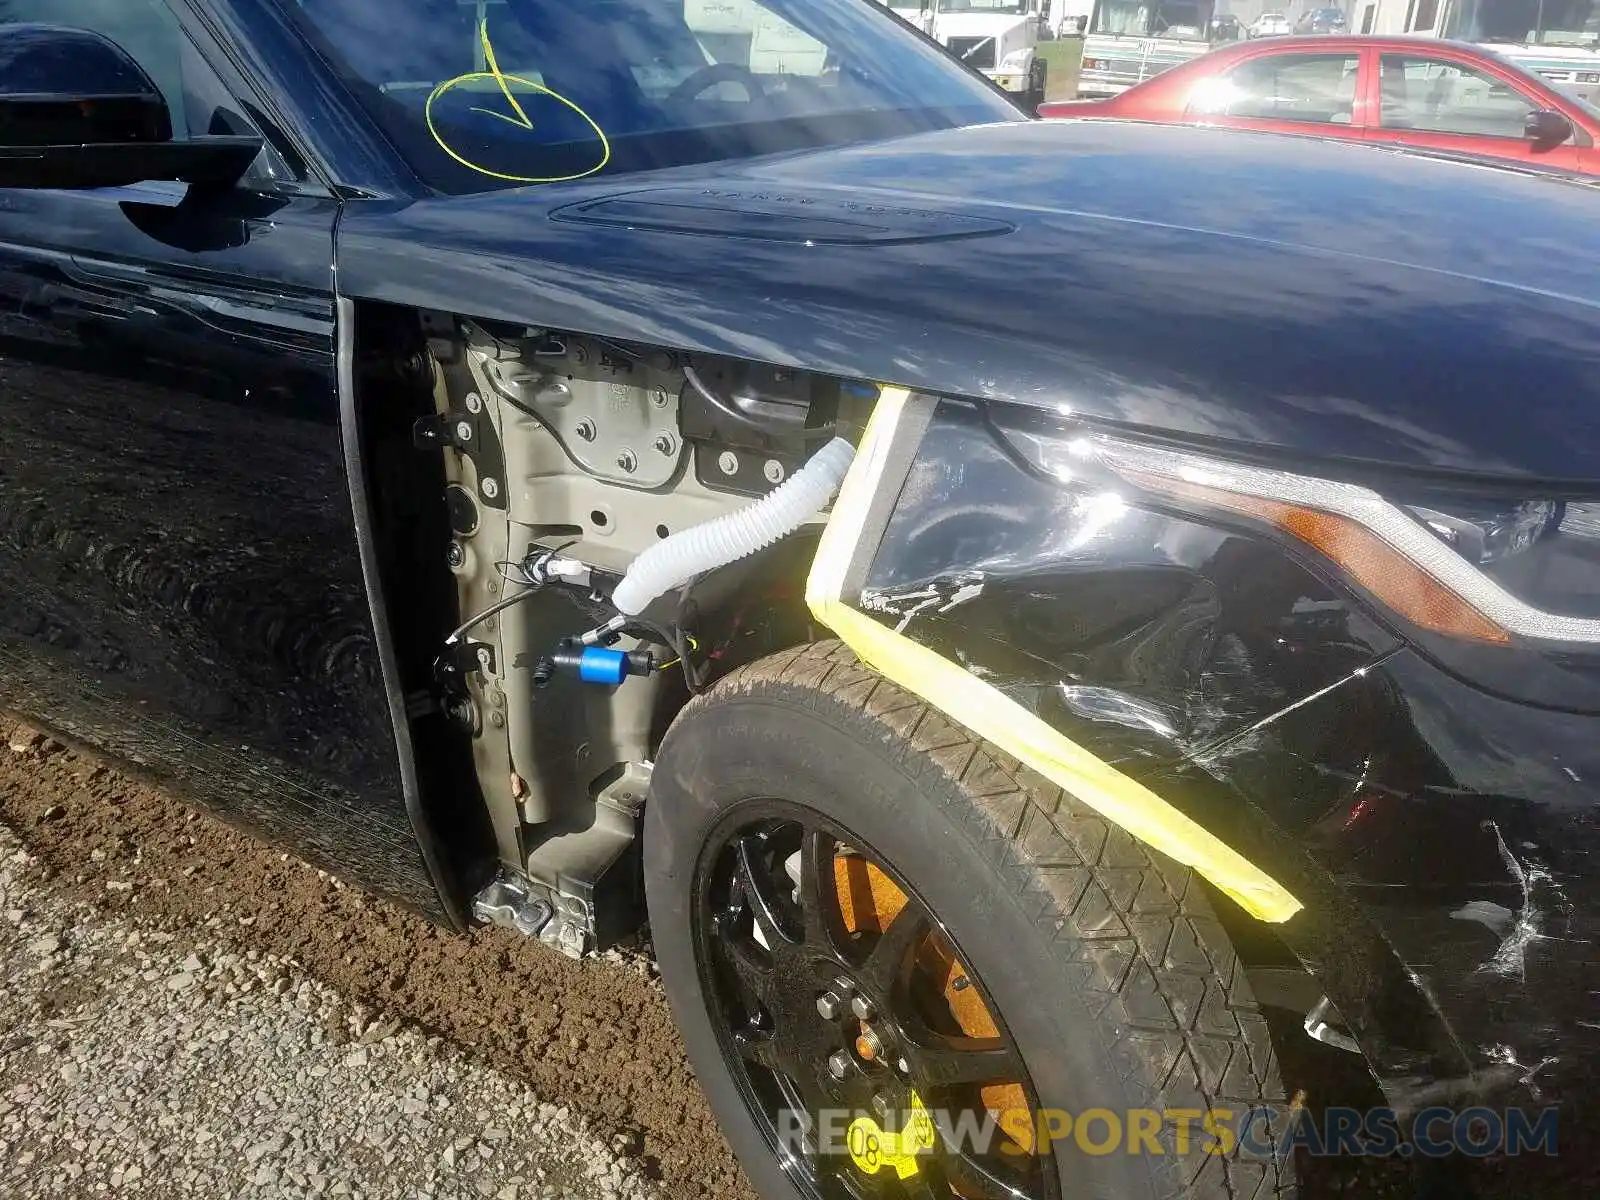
480	94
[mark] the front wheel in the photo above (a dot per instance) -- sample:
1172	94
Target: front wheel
905	966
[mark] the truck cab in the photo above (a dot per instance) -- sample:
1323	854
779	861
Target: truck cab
997	37
1131	40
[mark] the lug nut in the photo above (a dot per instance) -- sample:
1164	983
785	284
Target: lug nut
868	1046
829	1006
839	1064
863	1008
586	430
628	461
665	444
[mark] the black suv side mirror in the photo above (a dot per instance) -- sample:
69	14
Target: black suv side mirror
1546	127
77	111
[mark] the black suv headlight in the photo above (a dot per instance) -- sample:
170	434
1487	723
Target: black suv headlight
1503	591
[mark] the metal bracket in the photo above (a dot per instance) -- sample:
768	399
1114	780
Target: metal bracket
442	431
727	468
579	895
450	671
467	428
615	416
585	873
456	662
510	903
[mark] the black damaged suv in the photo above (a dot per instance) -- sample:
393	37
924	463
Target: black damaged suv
1012	603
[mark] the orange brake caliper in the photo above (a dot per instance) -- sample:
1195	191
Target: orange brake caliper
868	901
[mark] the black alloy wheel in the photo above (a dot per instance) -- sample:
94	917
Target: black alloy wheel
901	962
838	995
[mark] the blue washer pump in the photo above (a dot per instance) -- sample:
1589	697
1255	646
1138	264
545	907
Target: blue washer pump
602	665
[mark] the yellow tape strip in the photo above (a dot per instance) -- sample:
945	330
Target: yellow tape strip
992	715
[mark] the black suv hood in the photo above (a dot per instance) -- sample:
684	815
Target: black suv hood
1331	300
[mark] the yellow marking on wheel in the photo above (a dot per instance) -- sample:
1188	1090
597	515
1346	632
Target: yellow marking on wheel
868	901
872	1147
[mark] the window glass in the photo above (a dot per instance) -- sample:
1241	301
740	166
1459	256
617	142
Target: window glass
480	94
1525	22
984	6
1130	17
1444	97
1186	20
1589	107
1181	20
1283	87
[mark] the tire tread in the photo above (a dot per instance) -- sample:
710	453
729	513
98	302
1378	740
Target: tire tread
1135	927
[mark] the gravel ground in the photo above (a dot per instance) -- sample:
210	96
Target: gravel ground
186	1012
135	1063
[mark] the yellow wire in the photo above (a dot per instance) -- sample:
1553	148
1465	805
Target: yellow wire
693	645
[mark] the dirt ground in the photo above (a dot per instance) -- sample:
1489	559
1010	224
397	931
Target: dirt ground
597	1037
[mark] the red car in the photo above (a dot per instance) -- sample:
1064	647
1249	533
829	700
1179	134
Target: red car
1397	90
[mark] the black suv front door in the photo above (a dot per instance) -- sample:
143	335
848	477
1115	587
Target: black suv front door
179	576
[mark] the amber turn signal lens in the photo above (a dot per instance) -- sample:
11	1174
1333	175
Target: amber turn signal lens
1368	559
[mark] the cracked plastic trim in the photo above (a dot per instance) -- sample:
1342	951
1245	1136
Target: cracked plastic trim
848	542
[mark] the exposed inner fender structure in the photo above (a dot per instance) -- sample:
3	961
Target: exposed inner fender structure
734	535
597	493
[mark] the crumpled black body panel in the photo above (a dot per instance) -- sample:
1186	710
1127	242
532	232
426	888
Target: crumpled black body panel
1162	634
1441	839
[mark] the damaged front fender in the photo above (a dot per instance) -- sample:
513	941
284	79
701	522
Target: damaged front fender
1197	681
848	576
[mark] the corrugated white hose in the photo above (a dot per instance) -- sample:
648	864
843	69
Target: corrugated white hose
675	560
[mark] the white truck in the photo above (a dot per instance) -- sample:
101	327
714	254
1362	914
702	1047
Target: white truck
755	36
1131	40
996	37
